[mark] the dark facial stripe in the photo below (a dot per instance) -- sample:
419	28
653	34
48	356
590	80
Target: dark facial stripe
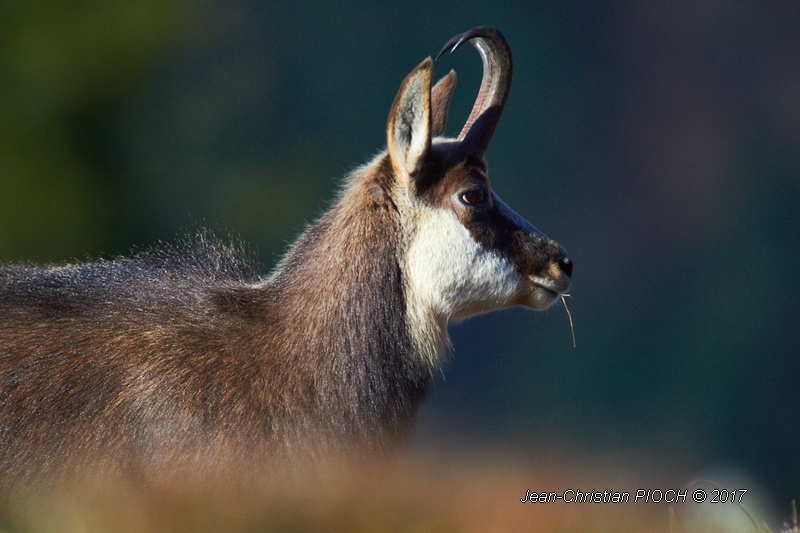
441	182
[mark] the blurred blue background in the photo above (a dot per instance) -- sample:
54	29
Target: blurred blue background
658	142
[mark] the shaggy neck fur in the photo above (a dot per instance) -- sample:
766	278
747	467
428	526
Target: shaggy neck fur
183	358
340	297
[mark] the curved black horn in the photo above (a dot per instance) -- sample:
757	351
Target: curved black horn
497	70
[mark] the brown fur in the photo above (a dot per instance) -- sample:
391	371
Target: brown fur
132	361
185	360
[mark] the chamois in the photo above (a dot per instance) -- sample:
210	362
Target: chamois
185	357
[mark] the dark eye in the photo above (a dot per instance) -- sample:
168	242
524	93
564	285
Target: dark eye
473	197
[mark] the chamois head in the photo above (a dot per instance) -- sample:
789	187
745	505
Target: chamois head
467	251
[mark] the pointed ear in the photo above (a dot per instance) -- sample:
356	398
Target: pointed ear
440	102
408	132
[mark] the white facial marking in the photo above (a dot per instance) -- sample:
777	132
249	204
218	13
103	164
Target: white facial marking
450	276
453	276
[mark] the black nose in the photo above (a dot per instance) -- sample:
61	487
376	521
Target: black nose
565	264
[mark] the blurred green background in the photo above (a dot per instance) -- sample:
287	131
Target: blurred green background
658	142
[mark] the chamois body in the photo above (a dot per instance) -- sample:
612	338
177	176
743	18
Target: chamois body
184	351
185	358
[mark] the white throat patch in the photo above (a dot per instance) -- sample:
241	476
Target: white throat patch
450	276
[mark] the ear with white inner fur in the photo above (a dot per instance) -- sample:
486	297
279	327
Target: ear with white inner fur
408	132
